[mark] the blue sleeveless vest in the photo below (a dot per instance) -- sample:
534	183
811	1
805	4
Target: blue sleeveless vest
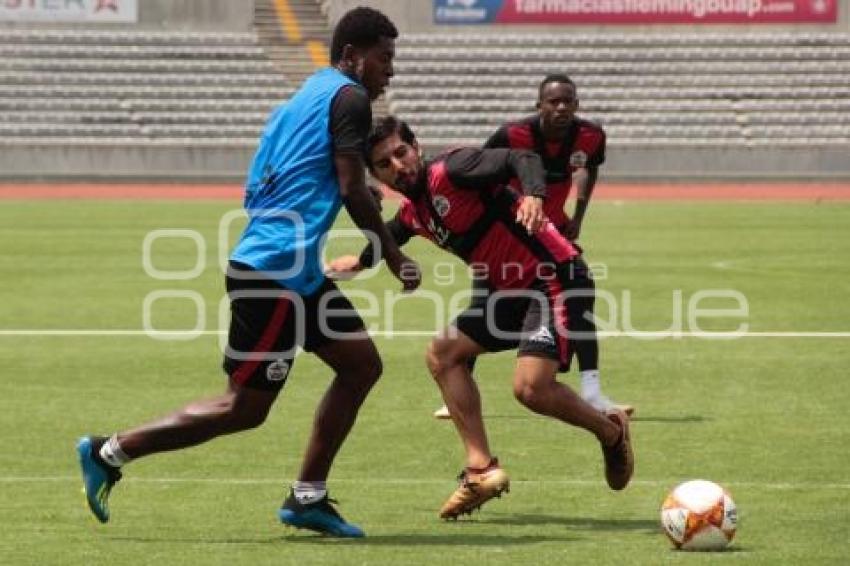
292	193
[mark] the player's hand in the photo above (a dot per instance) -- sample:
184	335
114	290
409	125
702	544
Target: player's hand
343	268
405	270
530	214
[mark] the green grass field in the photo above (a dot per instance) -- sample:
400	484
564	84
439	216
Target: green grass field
764	416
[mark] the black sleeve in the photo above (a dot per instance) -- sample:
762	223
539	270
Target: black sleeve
482	169
399	232
598	157
351	118
498	139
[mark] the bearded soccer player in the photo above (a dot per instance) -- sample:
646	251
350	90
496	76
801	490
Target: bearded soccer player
534	274
572	149
308	164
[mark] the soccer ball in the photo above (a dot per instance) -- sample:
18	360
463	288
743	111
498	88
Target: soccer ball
699	515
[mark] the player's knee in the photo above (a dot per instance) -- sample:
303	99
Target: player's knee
248	421
359	377
437	357
432	360
238	417
244	409
529	394
370	371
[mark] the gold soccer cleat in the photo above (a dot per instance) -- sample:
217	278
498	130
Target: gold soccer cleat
619	458
474	490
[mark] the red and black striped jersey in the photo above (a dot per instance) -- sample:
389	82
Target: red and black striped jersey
583	146
464	206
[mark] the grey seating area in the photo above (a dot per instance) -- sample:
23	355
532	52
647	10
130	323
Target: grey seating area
144	103
77	87
724	90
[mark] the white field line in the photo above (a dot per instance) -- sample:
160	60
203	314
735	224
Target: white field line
645	335
782	486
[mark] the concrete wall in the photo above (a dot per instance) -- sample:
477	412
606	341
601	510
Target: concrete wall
715	163
680	163
96	162
415	16
212	163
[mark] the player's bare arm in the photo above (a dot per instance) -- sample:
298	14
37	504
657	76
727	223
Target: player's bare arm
360	204
348	266
585	181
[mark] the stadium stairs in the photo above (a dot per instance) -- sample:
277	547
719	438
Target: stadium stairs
294	34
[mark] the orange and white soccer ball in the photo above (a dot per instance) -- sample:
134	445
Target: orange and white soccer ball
699	515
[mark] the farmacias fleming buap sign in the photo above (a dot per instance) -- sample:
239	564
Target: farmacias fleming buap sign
620	12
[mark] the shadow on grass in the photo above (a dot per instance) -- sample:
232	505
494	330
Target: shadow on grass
734	549
196	540
640	419
306	537
442	539
578	523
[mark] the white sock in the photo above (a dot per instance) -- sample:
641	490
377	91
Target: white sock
307	492
112	454
590	387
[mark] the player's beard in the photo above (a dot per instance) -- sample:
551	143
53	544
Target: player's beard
411	185
406	183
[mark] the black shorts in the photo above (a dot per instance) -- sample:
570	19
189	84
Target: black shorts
269	323
533	321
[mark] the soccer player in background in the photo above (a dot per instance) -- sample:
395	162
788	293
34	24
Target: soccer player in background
308	164
459	202
572	149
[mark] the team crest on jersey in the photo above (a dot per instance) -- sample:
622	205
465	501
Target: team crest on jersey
277	370
578	159
441	205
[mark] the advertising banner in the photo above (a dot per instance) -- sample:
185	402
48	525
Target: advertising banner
693	12
47	11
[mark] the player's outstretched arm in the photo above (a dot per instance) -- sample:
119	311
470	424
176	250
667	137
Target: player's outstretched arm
478	169
343	267
585	180
347	266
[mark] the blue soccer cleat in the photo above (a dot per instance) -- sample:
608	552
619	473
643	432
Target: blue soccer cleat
319	516
98	478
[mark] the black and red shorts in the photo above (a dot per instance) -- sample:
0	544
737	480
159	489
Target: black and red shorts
534	321
269	323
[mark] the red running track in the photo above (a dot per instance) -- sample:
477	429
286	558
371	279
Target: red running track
739	192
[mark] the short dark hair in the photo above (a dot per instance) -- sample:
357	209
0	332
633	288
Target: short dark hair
553	78
361	27
382	129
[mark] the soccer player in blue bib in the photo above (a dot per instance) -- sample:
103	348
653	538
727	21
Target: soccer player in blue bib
308	164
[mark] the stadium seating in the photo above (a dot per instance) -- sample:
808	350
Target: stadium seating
77	86
645	89
137	88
